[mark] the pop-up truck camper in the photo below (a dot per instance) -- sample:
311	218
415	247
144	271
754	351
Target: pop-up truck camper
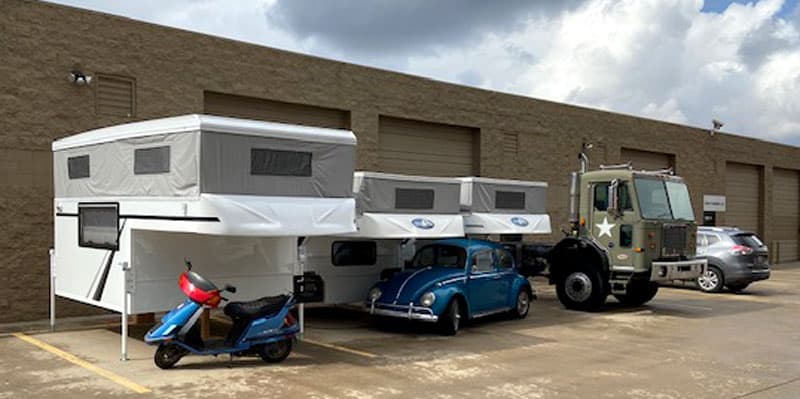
392	212
133	201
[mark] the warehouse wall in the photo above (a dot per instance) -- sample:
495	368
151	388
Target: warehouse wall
172	69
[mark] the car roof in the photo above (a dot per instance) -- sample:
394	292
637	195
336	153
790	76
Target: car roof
723	229
470	244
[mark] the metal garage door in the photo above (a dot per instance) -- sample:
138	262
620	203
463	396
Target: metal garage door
274	111
648	160
743	191
422	148
785	215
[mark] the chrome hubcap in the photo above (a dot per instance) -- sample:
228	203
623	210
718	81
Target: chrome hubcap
522	303
578	287
709	280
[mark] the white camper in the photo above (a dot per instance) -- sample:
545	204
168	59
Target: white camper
508	207
233	196
392	211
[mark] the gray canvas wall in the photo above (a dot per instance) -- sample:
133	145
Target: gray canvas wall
485	194
380	194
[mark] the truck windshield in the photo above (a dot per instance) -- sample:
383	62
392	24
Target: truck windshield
664	200
440	255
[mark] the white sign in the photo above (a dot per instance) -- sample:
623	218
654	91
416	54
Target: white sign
714	203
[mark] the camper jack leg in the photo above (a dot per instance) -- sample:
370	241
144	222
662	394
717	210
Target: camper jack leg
52	289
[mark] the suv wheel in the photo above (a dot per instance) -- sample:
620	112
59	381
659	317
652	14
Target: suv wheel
712	280
581	288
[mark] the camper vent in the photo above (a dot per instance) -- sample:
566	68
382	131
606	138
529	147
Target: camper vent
115	96
78	167
510	144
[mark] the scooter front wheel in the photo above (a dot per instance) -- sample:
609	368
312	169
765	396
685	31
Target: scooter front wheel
167	355
276	352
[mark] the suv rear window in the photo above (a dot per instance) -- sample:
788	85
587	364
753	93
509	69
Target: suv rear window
748	240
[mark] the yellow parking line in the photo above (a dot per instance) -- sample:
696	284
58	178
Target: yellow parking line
341	348
80	362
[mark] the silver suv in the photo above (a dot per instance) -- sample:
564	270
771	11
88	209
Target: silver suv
736	258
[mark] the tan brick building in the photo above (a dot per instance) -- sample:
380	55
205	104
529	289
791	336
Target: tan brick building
403	123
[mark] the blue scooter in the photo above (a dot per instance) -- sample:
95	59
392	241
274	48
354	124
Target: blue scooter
265	326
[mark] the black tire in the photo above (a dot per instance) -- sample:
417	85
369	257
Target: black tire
712	280
167	355
450	321
522	305
738	287
581	288
276	352
638	293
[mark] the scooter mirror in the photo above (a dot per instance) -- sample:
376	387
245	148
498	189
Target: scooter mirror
230	288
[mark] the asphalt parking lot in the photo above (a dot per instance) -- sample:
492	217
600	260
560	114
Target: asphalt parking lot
684	344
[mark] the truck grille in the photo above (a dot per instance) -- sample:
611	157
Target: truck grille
673	240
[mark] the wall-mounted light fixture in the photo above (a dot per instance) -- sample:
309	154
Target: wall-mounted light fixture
79	78
715	126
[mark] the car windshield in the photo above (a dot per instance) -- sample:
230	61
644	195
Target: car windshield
664	200
440	255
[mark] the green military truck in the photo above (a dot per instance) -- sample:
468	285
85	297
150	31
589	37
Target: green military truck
629	230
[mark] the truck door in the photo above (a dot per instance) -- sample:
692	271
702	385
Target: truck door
613	231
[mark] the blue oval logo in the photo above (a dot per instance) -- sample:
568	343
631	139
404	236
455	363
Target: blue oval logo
519	221
422	223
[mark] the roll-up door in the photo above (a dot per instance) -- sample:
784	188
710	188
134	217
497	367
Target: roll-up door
785	215
743	192
423	148
648	160
274	111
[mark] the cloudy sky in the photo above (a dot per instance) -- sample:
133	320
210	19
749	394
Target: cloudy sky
685	61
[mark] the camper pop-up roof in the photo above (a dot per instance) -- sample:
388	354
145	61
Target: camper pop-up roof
496	206
213	175
402	206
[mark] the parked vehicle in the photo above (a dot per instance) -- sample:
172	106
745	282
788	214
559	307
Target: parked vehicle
736	258
629	230
264	326
453	280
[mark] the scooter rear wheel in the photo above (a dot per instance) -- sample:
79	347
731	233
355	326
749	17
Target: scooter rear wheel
167	355
276	352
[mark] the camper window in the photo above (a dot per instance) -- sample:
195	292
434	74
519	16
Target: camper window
411	198
279	163
98	225
509	200
354	253
147	161
78	167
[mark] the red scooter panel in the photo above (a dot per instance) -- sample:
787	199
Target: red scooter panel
199	289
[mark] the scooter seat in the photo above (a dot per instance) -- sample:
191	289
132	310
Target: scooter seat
262	307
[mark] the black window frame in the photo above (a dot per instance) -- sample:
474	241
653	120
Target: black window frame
255	170
137	169
373	249
82	206
72	166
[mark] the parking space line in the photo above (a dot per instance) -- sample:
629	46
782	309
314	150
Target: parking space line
82	363
340	348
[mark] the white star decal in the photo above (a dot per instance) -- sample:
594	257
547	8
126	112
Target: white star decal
605	228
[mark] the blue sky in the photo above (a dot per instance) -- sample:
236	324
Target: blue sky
684	61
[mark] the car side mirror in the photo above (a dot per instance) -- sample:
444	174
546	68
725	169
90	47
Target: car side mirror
229	288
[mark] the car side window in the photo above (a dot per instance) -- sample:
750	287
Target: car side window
711	239
504	260
701	240
482	262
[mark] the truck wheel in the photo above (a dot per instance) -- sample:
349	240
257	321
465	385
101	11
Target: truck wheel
523	304
276	352
712	280
581	288
167	355
450	320
638	293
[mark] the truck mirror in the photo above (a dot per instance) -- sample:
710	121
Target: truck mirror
613	197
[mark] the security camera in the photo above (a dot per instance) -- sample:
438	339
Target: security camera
717	124
79	78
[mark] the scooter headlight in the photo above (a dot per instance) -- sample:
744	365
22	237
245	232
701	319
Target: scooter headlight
374	294
427	299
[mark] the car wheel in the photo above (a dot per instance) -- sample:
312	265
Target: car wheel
276	352
738	287
450	321
523	304
638	293
712	280
167	355
581	288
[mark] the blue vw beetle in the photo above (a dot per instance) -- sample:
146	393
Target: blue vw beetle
454	279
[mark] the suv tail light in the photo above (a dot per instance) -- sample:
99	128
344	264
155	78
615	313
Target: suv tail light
740	250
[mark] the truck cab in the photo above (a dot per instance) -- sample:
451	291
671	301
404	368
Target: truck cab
629	231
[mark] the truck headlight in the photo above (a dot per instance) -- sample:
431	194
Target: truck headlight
427	299
374	294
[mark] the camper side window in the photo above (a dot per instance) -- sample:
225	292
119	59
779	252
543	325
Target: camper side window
266	162
98	225
354	253
413	198
148	161
78	167
509	200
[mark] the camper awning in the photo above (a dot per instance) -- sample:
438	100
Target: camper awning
393	225
496	223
